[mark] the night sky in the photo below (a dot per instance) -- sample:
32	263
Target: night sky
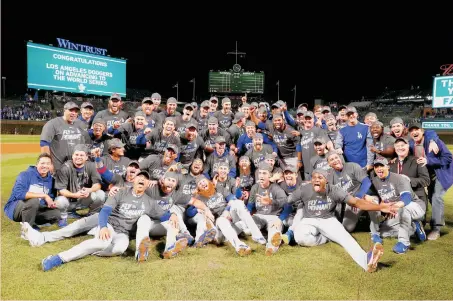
337	53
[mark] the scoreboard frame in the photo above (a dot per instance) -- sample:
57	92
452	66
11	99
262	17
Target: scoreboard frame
236	82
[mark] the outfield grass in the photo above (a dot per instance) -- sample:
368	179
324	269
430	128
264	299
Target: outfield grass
323	272
19	138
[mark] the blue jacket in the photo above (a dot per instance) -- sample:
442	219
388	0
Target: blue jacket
441	164
29	180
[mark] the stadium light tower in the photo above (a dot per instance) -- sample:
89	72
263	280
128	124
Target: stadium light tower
236	53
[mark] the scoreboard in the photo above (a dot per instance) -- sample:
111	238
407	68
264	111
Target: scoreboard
236	82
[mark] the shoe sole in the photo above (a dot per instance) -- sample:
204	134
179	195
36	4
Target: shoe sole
378	251
180	245
206	238
269	252
244	251
276	240
143	249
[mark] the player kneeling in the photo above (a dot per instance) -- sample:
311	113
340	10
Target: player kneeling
319	224
116	220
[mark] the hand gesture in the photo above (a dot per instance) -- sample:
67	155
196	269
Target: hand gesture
209	215
215	179
114	190
423	161
339	151
104	234
152	183
147	131
238	182
373	149
264	199
130	120
174	221
116	124
96	152
295	133
433	147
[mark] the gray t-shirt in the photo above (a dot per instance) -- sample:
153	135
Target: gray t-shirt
191	150
110	118
166	201
319	205
181	124
212	163
117	167
224	119
391	188
159	142
154	164
73	179
319	162
235	132
128	207
258	156
215	203
62	137
349	179
276	194
307	142
226	188
286	142
209	139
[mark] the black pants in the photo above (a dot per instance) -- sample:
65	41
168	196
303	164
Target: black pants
29	211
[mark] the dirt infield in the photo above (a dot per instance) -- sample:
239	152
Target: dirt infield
19	148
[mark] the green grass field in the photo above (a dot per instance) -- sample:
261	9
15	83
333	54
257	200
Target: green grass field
323	272
19	138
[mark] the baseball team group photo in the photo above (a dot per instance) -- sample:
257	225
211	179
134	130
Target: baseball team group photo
242	190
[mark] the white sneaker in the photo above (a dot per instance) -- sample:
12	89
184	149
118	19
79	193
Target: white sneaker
34	237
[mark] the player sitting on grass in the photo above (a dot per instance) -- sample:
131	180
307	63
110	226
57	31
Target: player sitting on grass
168	198
232	218
319	224
116	220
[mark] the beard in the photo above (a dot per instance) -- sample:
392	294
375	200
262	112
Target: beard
246	171
208	192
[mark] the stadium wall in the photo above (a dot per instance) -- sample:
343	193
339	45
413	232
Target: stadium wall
24	127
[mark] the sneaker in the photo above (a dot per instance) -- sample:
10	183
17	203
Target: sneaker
243	250
261	240
400	248
433	235
51	262
374	256
276	239
35	238
143	250
63	222
288	237
270	250
420	231
206	238
190	239
175	249
375	238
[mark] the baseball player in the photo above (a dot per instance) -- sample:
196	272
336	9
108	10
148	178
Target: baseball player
168	198
396	189
232	218
113	112
60	135
319	224
268	199
115	222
